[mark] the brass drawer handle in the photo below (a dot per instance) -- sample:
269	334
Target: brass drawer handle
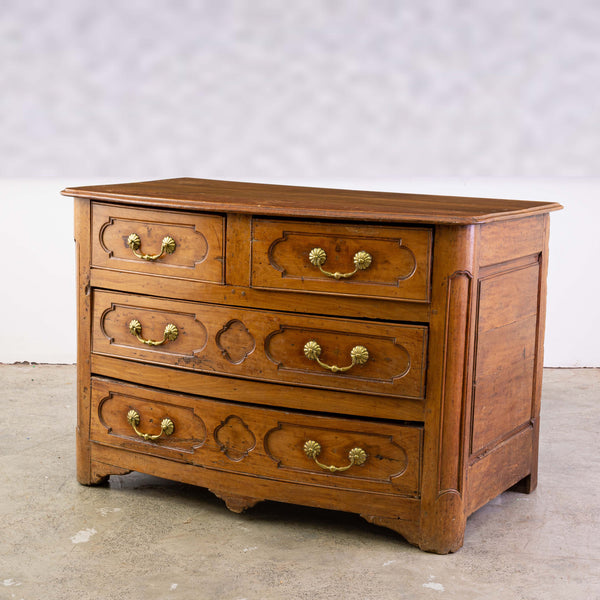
170	334
356	456
362	260
167	247
358	354
166	426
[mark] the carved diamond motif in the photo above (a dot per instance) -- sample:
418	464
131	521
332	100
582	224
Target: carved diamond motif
234	438
235	342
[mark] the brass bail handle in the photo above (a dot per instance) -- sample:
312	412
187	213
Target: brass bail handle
167	247
356	456
166	426
170	334
362	260
359	355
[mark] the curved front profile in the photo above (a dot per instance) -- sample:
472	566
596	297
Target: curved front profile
354	355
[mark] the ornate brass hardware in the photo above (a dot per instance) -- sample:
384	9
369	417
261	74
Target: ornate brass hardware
170	334
362	260
359	356
356	456
167	247
166	426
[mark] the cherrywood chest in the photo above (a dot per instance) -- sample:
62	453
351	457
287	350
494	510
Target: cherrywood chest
369	352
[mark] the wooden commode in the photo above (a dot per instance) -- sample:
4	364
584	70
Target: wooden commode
368	352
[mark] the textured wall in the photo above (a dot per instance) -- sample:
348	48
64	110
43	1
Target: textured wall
311	88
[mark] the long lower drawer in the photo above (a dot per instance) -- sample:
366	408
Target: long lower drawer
338	453
341	354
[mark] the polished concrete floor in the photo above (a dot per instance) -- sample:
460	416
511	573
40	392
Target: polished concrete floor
143	537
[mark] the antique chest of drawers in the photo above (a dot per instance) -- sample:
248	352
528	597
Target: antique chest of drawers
367	352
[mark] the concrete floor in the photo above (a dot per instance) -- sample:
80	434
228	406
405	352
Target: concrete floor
144	537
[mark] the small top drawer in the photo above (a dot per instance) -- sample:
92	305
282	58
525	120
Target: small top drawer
159	242
334	258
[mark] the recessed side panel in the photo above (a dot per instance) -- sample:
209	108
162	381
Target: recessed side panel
505	355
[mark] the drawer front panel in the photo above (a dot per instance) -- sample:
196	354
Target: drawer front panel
118	411
197	250
263	345
275	444
372	261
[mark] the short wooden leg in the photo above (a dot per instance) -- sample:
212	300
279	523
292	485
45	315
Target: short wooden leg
442	540
443	524
525	485
236	504
84	464
409	530
99	473
528	484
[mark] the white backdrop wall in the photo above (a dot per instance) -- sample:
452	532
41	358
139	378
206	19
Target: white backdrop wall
37	296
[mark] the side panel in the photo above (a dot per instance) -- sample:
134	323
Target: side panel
505	355
83	258
508	359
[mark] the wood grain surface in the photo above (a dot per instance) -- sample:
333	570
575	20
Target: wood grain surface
451	311
288	201
200	242
400	259
268	443
263	345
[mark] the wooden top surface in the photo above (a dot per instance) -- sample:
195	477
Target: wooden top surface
288	201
